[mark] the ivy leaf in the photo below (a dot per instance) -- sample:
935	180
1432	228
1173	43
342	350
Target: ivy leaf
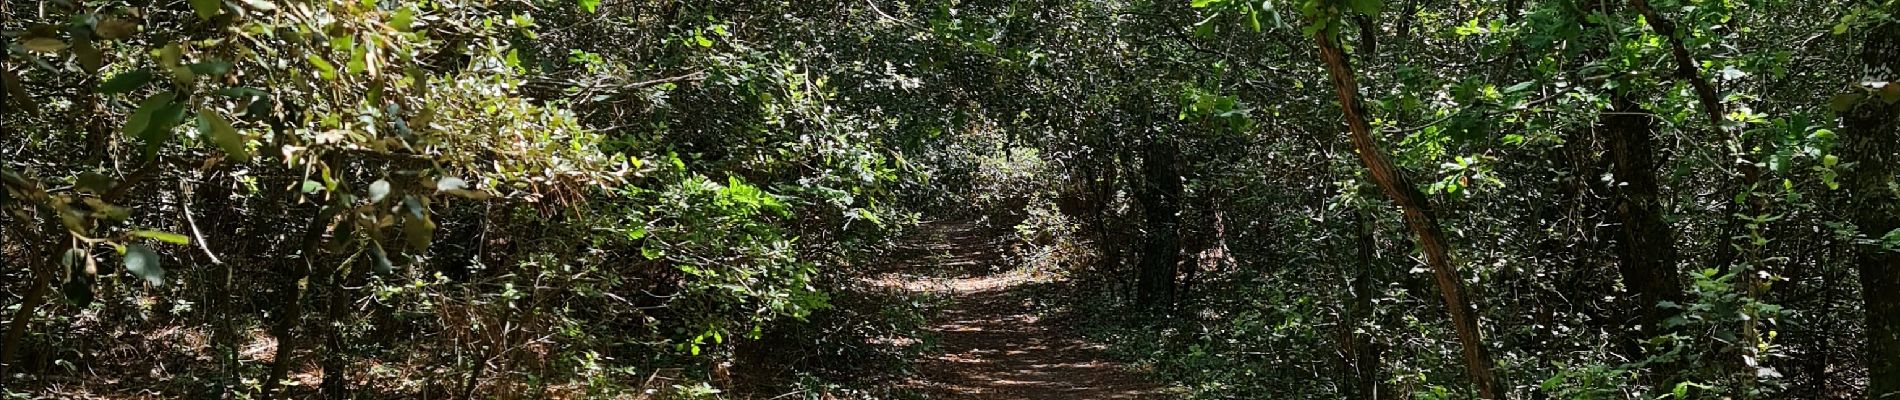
219	132
142	262
166	237
126	81
44	45
207	8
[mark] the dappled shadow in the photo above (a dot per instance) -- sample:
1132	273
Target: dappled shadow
993	344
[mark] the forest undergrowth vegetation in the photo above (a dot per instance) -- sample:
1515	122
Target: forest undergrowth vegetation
662	199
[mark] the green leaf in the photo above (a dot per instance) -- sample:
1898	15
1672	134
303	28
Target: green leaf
590	5
94	182
141	118
142	262
1520	86
44	45
207	8
89	56
324	68
404	19
126	81
310	186
1844	102
416	227
242	92
159	129
219	132
166	237
1367	7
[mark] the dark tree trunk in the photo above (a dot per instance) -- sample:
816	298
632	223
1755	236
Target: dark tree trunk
1418	216
1161	205
1870	142
1363	356
286	327
1646	250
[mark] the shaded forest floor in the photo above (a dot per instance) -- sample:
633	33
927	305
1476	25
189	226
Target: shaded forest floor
992	343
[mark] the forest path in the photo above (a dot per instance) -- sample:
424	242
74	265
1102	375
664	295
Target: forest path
992	344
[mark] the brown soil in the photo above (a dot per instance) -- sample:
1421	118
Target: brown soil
993	345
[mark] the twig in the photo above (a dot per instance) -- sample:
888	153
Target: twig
184	203
881	13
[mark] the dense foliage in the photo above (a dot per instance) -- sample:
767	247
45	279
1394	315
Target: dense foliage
1358	199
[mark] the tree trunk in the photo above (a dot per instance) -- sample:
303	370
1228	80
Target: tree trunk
1363	357
285	331
1161	205
1418	216
1870	142
1646	250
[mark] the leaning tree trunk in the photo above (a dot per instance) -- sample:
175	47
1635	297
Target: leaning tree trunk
1870	142
1418	216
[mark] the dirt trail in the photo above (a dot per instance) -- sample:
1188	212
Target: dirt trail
992	344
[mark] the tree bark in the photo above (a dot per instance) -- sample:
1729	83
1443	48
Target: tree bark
1418	216
1646	250
285	331
1363	357
1871	142
1161	205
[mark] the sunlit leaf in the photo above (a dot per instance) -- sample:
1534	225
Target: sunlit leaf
207	8
166	237
378	190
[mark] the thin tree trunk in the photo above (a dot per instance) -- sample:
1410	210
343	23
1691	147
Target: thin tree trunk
285	331
1418	216
1871	141
1362	355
